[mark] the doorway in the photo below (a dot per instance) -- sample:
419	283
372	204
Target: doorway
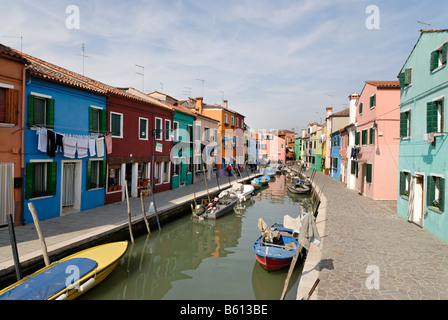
417	212
71	187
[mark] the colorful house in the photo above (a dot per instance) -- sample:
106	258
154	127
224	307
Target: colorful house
334	122
335	156
350	172
289	137
316	144
65	152
12	73
376	156
422	145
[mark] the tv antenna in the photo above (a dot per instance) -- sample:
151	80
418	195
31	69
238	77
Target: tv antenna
17	37
143	76
83	48
428	24
187	91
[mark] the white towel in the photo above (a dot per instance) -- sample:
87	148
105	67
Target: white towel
92	143
70	147
100	147
83	147
42	139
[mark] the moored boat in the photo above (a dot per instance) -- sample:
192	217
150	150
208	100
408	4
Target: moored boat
220	206
69	277
298	188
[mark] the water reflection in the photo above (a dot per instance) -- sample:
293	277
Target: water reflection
210	259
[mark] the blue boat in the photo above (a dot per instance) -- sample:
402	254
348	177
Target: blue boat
261	181
278	254
270	172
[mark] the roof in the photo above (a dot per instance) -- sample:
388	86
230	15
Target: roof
10	53
342	113
385	84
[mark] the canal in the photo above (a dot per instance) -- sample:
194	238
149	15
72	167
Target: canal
206	260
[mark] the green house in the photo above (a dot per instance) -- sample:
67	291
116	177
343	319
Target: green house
182	151
423	150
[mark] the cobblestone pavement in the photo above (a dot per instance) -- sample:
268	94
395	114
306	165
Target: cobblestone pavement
369	252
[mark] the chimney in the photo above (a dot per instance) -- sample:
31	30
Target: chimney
224	103
303	132
198	106
329	111
354	97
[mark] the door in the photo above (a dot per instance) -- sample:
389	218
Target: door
417	215
68	189
183	171
6	192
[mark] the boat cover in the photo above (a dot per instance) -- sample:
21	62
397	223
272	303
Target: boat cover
51	281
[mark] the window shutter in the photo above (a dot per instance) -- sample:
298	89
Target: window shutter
50	113
103	121
407	76
403	124
444	52
90	119
29	180
402	80
369	173
51	178
357	138
364	137
360	108
431	187
431	117
30	110
352	169
442	117
402	182
441	194
434	64
12	106
102	174
89	175
372	136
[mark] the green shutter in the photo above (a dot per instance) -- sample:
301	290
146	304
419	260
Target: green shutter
30	110
442	194
434	64
444	52
403	124
431	117
402	80
90	119
442	107
360	108
357	138
369	173
103	121
352	169
402	182
102	174
89	175
29	180
431	187
372	136
51	178
364	137
50	113
407	76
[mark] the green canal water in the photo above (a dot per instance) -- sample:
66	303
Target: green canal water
189	259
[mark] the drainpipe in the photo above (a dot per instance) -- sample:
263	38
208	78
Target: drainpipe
22	146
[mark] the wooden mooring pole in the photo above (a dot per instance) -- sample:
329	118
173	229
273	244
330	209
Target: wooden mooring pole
39	233
129	211
15	254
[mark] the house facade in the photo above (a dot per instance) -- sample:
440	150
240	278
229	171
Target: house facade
12	102
351	133
65	151
376	135
423	152
335	156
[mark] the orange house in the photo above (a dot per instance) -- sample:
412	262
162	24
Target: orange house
12	87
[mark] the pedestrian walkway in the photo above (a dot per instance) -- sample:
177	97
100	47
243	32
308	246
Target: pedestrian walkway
79	229
369	252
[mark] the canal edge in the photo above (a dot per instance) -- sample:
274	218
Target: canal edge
311	268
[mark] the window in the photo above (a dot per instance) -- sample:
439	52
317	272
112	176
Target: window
369	173
116	124
197	132
143	128
40	179
405	124
364	137
406	78
438	57
9	106
231	121
372	136
166	171
357	138
175	131
237	122
190	133
225	119
360	108
372	101
96	174
206	134
435	116
40	111
176	165
158	128
352	167
168	130
405	182
436	193
114	176
97	120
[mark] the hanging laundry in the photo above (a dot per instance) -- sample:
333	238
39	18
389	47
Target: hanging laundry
70	147
59	142
109	143
51	144
92	143
100	147
83	146
41	139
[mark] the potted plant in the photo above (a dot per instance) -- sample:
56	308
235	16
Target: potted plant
436	202
406	193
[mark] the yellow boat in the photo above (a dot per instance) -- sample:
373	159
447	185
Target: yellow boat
69	277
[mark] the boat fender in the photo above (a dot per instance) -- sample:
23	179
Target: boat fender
86	285
62	297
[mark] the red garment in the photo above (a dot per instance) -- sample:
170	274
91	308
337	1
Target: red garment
109	143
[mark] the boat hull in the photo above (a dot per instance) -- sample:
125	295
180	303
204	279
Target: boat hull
298	191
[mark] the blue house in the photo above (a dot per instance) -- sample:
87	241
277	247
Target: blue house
423	147
65	152
335	156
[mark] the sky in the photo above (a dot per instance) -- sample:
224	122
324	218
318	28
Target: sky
279	63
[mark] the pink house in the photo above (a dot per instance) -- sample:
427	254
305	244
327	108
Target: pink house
272	148
376	151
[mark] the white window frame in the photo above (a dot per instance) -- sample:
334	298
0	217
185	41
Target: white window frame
121	124
175	133
442	99
161	128
139	128
167	132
